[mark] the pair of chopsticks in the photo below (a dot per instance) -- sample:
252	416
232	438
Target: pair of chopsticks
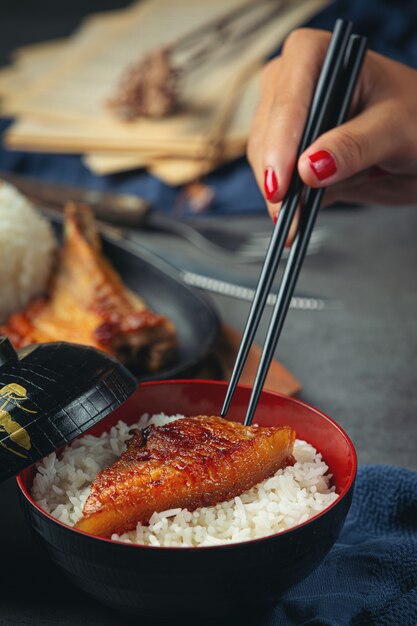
329	108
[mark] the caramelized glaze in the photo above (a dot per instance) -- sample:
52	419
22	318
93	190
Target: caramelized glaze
189	463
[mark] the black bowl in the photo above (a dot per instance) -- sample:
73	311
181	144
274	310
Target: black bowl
210	581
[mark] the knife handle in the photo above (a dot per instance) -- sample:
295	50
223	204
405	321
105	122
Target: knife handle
121	209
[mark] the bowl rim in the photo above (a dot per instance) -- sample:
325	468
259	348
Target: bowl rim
347	488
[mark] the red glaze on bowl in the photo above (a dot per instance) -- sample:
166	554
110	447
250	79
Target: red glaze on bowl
162	582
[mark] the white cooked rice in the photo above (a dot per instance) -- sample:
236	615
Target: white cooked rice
288	498
27	245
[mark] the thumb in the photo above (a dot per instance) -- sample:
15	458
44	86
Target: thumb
342	152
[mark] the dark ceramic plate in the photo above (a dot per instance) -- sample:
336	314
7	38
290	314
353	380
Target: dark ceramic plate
159	285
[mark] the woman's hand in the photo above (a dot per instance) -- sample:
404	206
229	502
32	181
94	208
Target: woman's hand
370	158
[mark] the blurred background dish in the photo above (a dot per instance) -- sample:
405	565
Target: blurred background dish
195	320
194	317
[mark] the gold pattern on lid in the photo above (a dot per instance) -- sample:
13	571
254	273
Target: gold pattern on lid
13	393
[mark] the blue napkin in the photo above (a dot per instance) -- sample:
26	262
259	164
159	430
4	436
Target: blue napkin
390	28
370	576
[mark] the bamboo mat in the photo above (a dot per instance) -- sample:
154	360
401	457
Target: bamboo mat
58	90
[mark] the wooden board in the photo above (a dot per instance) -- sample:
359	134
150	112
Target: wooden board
75	92
225	351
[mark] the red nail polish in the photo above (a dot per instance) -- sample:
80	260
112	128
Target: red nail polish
323	164
270	183
275	218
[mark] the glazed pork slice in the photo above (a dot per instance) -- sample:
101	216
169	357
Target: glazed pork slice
188	463
88	303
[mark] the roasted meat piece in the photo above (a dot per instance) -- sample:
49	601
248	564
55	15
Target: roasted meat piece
188	463
88	303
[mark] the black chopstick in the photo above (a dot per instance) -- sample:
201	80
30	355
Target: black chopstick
314	127
332	97
355	55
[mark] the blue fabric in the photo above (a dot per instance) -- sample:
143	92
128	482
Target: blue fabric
390	26
369	578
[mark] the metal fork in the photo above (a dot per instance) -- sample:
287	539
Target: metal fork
247	246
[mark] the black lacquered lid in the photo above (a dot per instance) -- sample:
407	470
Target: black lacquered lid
50	394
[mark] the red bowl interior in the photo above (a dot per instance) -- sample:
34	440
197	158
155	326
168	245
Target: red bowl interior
201	397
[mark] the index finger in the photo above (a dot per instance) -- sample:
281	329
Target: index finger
286	96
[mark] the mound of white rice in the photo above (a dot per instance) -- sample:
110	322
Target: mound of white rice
290	497
27	244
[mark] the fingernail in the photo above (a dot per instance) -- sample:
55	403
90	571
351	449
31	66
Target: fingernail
275	218
270	184
323	164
